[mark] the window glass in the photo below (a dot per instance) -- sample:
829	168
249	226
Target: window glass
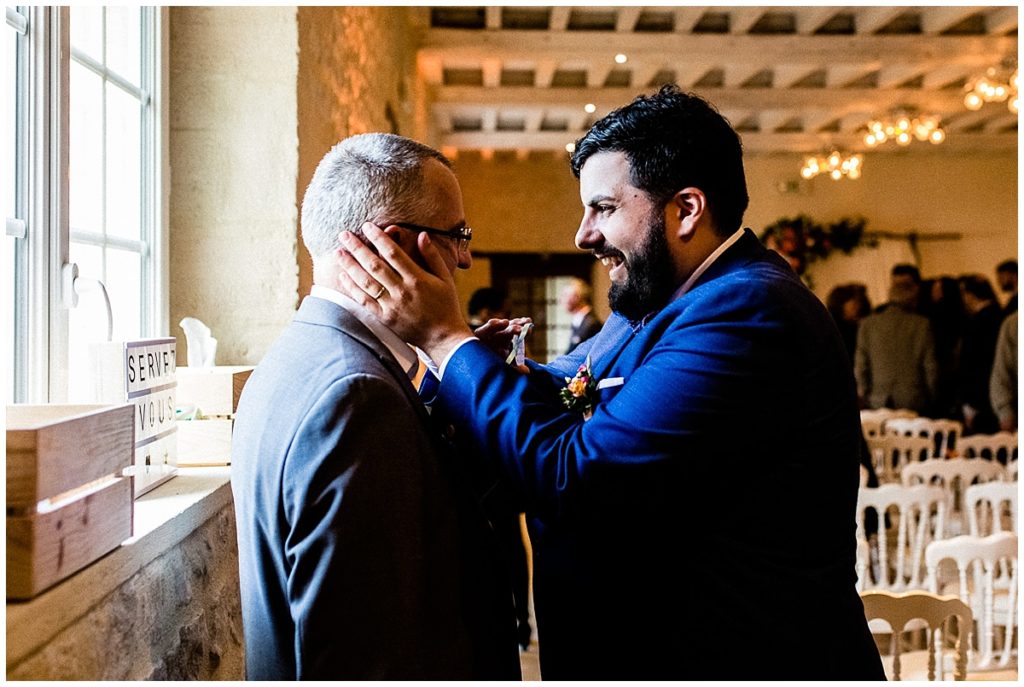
123	276
87	323
86	149
123	163
87	31
124	54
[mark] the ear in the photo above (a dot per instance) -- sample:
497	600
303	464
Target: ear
685	211
405	239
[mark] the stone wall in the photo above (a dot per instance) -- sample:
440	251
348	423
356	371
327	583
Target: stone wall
178	618
357	74
234	158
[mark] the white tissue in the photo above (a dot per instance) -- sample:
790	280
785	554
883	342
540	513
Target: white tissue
200	346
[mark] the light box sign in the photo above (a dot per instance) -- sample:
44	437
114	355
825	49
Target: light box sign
143	372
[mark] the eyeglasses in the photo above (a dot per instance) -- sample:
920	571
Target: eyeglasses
460	235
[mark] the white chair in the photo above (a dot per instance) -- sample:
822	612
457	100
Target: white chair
990	590
1001	446
890	452
863	559
954	476
888	612
943	433
1011	470
985	512
917	514
872	422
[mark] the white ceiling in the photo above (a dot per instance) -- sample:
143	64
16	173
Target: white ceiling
794	79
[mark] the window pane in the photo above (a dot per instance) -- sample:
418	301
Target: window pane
87	31
86	155
86	324
8	321
124	54
124	275
124	161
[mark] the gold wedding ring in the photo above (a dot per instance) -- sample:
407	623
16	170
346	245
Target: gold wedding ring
378	294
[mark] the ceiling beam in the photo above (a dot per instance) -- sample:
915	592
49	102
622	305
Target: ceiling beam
870	19
742	98
626	19
938	19
810	19
686	18
1002	19
492	17
559	18
514	44
752	142
741	19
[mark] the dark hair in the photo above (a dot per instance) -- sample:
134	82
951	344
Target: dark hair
978	286
905	269
674	140
488	297
1007	266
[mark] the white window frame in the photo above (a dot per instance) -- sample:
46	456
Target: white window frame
46	291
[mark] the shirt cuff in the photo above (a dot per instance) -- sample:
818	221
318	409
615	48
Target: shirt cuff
444	363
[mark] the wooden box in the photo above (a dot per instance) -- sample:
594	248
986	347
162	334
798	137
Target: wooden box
68	501
143	373
209	396
214	390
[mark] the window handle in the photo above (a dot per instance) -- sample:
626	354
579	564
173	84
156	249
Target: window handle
74	285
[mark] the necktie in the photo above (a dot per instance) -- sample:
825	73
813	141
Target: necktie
426	383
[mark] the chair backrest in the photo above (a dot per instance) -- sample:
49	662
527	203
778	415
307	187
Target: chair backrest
896	610
872	422
1011	470
916	517
1001	446
954	476
863	558
984	506
890	452
943	433
984	556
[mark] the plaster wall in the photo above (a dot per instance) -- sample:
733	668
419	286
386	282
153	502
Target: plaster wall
234	158
356	75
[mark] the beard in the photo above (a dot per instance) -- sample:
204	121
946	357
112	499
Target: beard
650	278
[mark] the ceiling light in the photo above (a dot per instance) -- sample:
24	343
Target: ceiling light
621	59
904	128
570	147
590	108
836	165
994	87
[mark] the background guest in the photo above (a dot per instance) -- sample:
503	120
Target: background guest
1003	382
577	301
848	304
984	318
1006	277
895	358
944	308
486	303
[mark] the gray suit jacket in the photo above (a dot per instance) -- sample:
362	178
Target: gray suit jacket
895	361
362	552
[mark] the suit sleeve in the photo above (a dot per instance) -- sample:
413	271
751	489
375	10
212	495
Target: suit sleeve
354	503
675	401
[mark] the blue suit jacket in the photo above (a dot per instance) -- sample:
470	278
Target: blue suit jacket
701	523
363	553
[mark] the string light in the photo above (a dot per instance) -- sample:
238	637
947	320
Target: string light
836	165
990	89
903	129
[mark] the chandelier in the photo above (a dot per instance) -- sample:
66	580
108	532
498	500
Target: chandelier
903	129
991	89
836	165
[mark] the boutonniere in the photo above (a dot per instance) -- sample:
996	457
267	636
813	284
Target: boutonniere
580	392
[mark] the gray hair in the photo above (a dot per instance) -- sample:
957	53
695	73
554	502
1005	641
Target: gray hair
369	177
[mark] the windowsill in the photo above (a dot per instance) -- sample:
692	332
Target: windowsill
163	518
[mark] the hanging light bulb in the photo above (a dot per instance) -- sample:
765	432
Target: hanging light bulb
990	88
836	165
904	129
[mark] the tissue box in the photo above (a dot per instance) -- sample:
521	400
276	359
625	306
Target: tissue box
144	373
214	391
68	502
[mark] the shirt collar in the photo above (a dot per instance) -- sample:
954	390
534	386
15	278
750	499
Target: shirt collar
401	351
688	284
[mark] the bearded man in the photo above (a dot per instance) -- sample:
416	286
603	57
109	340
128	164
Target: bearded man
700	523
